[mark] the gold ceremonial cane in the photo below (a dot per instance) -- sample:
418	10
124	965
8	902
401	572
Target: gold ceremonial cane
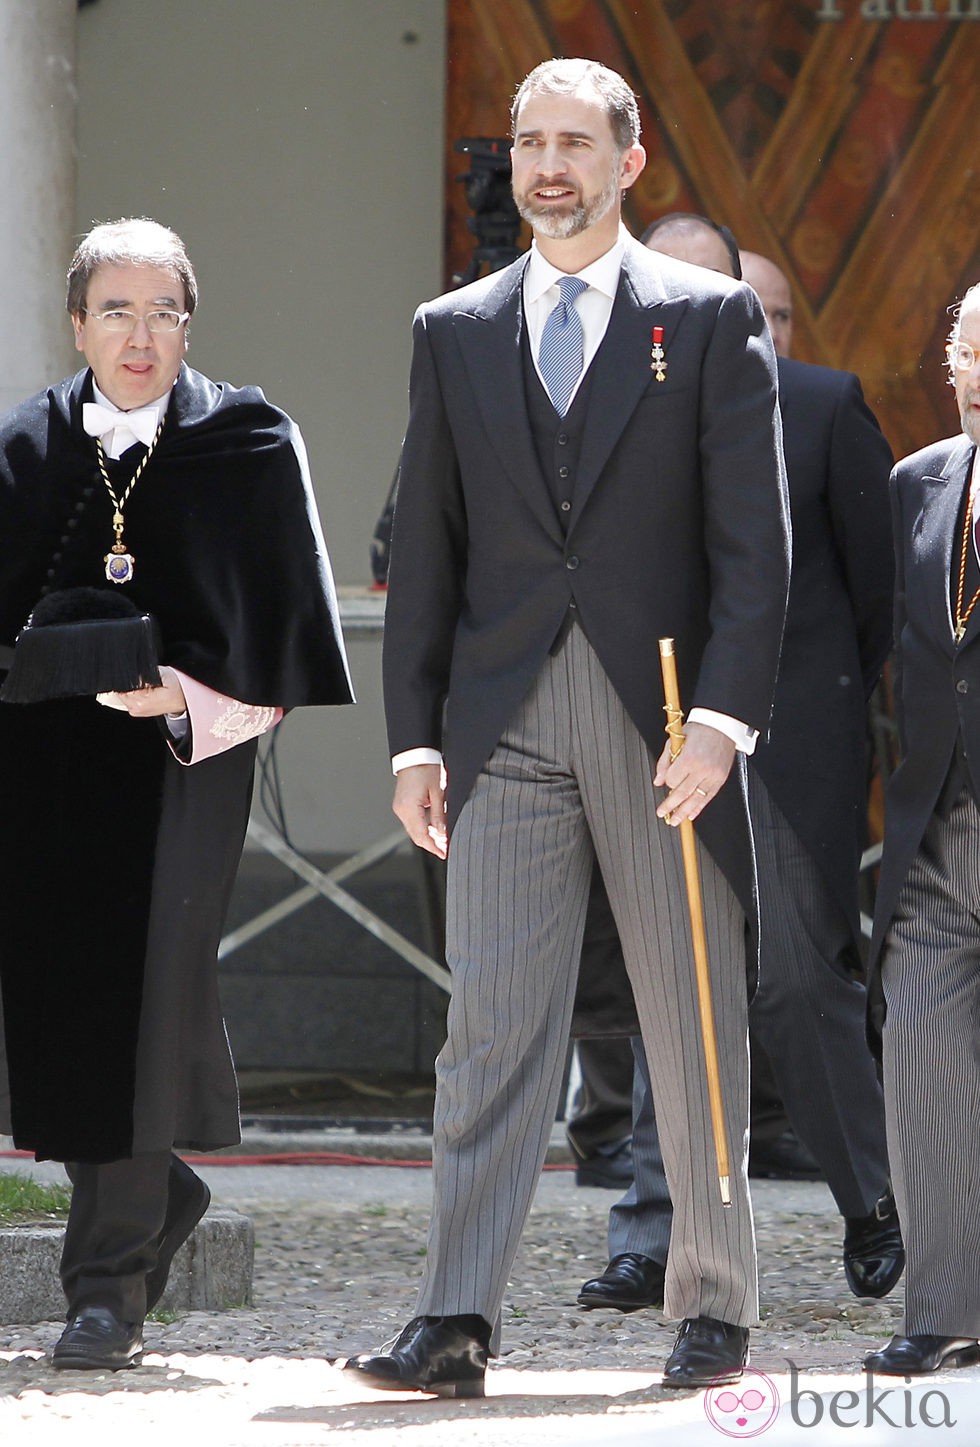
675	718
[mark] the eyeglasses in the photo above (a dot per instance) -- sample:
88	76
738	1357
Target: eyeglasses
961	356
123	321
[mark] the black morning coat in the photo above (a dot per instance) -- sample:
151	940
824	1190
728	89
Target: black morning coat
117	861
837	635
937	680
838	623
678	525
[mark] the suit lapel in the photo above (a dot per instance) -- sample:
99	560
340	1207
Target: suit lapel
489	339
621	367
936	535
958	472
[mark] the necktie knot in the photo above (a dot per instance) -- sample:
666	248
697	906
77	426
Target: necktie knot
561	354
570	288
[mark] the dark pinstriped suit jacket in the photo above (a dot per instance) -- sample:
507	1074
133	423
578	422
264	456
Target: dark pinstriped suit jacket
678	524
937	682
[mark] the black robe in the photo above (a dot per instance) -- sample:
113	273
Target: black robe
116	860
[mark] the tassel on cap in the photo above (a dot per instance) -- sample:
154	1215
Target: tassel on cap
82	641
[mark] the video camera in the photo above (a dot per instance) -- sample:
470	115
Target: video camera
496	222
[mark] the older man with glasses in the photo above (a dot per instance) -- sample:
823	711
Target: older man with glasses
925	952
165	594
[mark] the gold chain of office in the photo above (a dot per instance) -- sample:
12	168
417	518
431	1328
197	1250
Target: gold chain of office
119	562
962	619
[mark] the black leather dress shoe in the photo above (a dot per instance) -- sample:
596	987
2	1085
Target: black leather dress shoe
874	1256
707	1352
784	1159
610	1167
628	1282
446	1355
96	1340
916	1356
187	1202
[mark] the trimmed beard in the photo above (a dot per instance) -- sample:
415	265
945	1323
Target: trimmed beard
558	227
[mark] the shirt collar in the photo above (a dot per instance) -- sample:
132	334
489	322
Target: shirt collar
159	403
602	274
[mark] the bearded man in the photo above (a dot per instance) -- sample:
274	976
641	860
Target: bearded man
592	461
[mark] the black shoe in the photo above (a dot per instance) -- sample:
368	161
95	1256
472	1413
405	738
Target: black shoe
706	1353
610	1167
916	1356
874	1256
446	1355
187	1202
96	1340
628	1282
784	1159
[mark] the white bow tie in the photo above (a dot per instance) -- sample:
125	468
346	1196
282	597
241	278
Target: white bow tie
143	423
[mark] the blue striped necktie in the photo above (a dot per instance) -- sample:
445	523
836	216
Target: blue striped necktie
560	356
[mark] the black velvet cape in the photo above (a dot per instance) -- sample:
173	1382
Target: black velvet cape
116	860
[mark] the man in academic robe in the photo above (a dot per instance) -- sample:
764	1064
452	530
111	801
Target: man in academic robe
138	487
592	462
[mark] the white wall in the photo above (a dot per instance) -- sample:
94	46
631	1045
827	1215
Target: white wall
297	147
37	136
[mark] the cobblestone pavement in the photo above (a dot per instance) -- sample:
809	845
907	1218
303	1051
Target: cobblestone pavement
338	1251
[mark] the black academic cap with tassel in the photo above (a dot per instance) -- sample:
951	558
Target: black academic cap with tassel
82	641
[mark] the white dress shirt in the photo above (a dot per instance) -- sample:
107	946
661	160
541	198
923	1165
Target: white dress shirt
594	307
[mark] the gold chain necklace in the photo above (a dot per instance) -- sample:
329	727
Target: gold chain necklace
961	618
119	564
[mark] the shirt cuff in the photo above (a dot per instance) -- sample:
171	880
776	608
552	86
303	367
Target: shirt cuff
216	721
740	734
408	758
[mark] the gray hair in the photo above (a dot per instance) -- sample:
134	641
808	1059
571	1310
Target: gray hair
564	77
971	299
131	241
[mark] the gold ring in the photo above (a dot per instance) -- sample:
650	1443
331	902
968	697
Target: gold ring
702	792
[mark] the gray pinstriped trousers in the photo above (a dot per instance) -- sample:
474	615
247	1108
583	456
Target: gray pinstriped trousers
931	1057
810	1019
572	775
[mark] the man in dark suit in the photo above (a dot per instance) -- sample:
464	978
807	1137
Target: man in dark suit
807	798
926	943
592	461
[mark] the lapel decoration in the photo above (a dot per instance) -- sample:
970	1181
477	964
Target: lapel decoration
937	540
488	335
658	363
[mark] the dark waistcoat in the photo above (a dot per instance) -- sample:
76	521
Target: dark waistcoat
557	440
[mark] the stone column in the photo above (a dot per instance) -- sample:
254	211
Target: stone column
37	192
